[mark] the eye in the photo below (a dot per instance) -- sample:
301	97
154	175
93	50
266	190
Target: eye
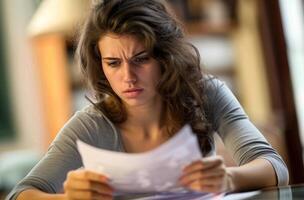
141	60
115	63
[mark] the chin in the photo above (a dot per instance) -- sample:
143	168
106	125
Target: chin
134	102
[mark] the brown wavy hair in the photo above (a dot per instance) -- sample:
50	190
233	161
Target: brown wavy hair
181	85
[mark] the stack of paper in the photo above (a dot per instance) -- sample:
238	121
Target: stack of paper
153	171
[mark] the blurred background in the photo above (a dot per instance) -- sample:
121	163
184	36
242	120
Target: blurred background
255	46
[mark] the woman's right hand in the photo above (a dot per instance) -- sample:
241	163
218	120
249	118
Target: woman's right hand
84	184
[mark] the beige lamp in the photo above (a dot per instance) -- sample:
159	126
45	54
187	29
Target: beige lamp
52	24
58	16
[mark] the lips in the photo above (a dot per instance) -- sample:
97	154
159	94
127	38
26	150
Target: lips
133	92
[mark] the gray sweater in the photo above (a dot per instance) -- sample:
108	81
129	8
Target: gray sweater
241	138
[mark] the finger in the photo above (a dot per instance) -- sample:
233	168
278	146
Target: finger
197	186
88	185
86	195
203	164
87	175
213	181
202	175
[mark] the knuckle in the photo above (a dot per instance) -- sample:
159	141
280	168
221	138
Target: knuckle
88	195
200	173
201	186
213	188
65	185
86	174
221	159
87	184
200	163
219	187
70	174
69	195
221	177
222	171
220	163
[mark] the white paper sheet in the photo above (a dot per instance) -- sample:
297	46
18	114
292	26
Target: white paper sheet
153	171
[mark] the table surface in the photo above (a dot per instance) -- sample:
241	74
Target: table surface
292	192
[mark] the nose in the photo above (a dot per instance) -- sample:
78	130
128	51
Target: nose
129	73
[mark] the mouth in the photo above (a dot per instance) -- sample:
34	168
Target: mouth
133	92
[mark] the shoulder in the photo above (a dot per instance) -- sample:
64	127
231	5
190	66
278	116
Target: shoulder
212	85
220	103
212	90
90	110
216	90
89	116
89	125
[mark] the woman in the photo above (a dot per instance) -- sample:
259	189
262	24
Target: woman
147	82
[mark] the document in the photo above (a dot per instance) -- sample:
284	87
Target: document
157	170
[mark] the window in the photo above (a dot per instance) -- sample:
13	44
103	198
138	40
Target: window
293	25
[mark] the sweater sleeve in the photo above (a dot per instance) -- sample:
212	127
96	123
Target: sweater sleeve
241	138
62	156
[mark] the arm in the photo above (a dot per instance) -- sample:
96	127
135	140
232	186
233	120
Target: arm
259	164
255	174
245	142
48	176
211	175
35	194
50	172
80	184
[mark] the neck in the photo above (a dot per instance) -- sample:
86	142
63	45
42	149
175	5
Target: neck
144	121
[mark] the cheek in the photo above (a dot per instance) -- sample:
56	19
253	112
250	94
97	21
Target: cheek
112	79
107	74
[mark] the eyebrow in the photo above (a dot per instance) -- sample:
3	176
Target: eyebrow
113	58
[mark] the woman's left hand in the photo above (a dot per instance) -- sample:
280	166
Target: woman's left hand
207	175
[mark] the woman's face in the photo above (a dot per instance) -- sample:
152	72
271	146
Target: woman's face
131	71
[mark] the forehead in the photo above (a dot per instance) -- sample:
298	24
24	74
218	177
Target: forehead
113	44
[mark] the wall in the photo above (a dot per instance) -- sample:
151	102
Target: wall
26	102
249	63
